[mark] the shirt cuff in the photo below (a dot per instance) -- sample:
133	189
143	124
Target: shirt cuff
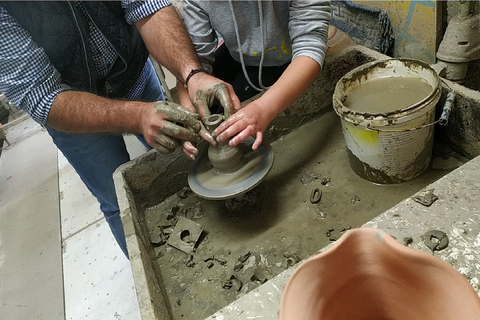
41	111
137	10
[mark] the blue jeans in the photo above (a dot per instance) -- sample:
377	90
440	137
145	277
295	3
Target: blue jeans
96	156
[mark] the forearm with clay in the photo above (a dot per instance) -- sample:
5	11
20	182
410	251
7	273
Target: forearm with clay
82	112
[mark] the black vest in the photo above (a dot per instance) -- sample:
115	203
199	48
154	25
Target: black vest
61	29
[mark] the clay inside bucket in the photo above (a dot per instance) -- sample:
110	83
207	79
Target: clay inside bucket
369	275
386	95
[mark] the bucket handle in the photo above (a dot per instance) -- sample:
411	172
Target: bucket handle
443	120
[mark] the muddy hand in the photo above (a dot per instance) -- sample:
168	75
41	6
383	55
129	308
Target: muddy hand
170	132
251	120
206	97
166	144
189	150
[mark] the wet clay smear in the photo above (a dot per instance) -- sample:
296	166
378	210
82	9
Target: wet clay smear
244	244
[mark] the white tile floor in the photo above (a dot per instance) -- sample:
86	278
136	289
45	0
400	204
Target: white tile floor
98	281
58	258
31	285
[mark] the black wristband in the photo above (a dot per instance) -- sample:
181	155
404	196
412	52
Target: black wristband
192	72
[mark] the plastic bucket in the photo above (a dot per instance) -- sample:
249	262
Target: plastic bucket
387	141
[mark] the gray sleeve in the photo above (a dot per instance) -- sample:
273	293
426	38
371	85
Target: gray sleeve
204	38
308	28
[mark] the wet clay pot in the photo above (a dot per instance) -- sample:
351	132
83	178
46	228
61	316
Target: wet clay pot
225	159
369	275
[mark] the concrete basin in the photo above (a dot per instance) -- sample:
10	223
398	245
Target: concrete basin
243	254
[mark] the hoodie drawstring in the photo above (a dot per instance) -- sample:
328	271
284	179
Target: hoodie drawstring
237	34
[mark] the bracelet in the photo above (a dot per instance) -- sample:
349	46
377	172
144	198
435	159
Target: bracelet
192	72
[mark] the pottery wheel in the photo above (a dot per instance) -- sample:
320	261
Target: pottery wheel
208	183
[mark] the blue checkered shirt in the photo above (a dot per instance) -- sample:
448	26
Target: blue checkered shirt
31	82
